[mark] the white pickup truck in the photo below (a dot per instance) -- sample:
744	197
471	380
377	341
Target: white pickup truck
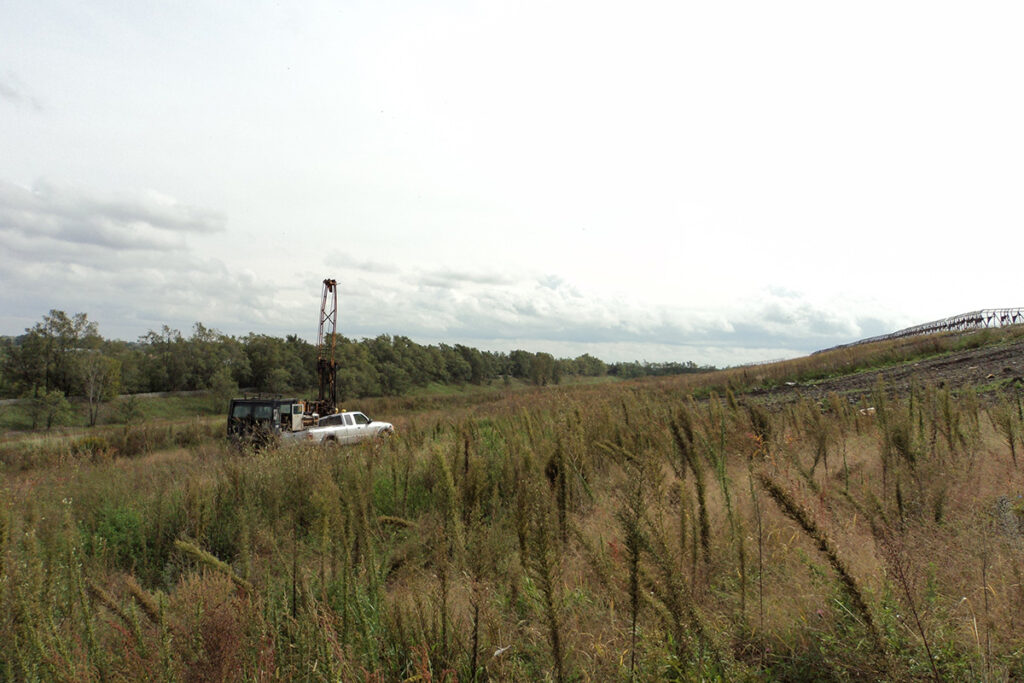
342	428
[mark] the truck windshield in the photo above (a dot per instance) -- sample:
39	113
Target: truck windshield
246	410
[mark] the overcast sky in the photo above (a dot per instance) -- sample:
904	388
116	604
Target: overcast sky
720	182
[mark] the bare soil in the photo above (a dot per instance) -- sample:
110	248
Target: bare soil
991	371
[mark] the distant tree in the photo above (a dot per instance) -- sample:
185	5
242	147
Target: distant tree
542	368
25	364
6	384
265	354
590	366
435	366
131	359
300	359
521	362
130	409
414	359
357	373
394	380
497	364
278	382
57	352
457	367
100	377
166	366
45	356
47	407
627	370
476	362
63	338
223	388
207	351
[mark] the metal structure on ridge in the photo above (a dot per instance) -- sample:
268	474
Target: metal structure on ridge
975	320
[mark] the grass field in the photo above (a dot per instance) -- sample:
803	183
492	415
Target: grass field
610	531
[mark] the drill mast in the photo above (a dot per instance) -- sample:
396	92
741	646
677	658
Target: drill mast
326	367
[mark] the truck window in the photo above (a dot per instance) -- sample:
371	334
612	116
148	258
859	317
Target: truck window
241	410
348	420
262	412
362	419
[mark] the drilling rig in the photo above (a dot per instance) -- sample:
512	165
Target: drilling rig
326	367
261	420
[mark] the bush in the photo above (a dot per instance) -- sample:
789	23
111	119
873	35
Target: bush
94	447
119	536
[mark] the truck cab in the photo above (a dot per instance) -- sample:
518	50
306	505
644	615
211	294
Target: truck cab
259	419
348	428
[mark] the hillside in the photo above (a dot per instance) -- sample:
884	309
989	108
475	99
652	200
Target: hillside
986	369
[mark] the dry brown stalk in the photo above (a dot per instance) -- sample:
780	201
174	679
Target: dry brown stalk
203	557
683	436
798	514
107	600
395	521
896	558
543	567
149	606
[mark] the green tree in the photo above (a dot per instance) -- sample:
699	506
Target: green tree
6	383
434	365
357	373
131	358
278	382
47	407
223	388
589	366
300	360
265	354
476	362
542	368
45	356
457	367
394	380
521	362
166	360
25	364
64	338
100	378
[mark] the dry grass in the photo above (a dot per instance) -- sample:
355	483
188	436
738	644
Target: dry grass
553	534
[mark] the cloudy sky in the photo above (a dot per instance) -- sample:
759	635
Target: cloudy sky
719	182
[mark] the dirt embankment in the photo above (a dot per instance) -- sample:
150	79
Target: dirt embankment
989	370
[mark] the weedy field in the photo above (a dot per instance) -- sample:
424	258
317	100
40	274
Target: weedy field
631	531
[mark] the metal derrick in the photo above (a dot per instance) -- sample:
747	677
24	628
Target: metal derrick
326	341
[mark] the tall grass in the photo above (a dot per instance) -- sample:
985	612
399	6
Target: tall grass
611	532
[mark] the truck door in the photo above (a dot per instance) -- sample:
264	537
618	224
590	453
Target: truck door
362	430
348	434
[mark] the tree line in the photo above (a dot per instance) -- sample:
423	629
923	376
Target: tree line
65	356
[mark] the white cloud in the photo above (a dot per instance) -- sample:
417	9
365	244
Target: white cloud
13	90
48	214
746	176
